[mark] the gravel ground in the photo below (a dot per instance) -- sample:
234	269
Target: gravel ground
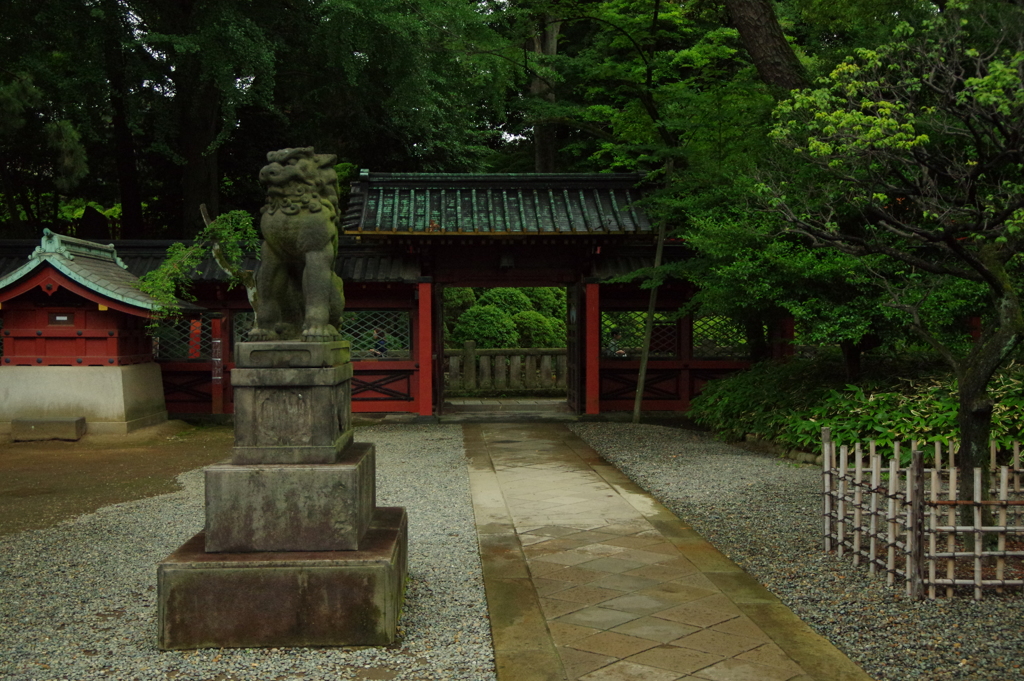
78	601
764	513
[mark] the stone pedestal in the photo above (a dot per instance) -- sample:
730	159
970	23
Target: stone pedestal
295	551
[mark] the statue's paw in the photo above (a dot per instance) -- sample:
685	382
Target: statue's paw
257	334
320	333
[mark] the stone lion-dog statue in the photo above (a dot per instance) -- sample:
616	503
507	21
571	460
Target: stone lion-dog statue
299	297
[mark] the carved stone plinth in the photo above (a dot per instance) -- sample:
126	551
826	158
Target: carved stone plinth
295	552
291	406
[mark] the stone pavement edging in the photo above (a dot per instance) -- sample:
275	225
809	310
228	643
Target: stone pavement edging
525	636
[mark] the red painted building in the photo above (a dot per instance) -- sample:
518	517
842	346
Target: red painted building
75	342
406	237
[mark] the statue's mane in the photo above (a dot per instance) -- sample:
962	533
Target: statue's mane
314	184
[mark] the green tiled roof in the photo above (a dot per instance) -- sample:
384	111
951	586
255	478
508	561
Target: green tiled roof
510	204
94	266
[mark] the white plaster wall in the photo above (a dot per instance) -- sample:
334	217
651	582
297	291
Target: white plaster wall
112	399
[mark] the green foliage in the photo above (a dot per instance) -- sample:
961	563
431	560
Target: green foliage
230	237
192	95
457	299
511	300
489	325
790	403
547	300
537	331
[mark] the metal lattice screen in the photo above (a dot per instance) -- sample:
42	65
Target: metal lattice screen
184	339
241	324
378	333
628	326
393	338
718	338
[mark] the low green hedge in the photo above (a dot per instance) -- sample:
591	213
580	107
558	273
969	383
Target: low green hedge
788	403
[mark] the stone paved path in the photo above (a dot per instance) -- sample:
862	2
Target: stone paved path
590	578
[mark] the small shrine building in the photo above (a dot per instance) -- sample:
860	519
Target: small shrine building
75	343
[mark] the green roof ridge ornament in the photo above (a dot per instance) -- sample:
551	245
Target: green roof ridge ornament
68	247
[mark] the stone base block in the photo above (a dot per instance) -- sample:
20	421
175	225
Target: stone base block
296	507
56	428
289	454
280	354
291	415
251	600
113	399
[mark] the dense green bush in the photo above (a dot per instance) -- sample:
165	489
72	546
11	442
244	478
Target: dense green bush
511	300
537	331
547	300
488	325
789	404
457	299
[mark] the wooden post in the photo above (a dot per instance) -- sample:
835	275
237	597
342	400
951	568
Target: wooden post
915	535
858	483
826	476
894	490
841	509
951	522
978	536
424	348
592	349
469	364
1016	467
933	537
1004	489
876	483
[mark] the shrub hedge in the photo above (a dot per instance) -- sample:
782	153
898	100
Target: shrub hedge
788	403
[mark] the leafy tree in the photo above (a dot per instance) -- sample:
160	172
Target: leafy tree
173	105
488	325
922	165
228	239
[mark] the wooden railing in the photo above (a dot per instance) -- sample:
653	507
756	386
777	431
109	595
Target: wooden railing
523	369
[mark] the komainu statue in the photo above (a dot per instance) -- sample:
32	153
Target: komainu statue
299	297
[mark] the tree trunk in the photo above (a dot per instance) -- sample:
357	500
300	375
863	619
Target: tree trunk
124	141
974	416
199	115
760	348
762	35
13	208
545	43
127	171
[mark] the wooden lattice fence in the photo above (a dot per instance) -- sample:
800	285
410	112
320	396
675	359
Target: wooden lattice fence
902	521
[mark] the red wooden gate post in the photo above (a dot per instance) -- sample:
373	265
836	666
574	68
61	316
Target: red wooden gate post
592	348
425	350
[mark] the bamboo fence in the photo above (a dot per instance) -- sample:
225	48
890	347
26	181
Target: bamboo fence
902	521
